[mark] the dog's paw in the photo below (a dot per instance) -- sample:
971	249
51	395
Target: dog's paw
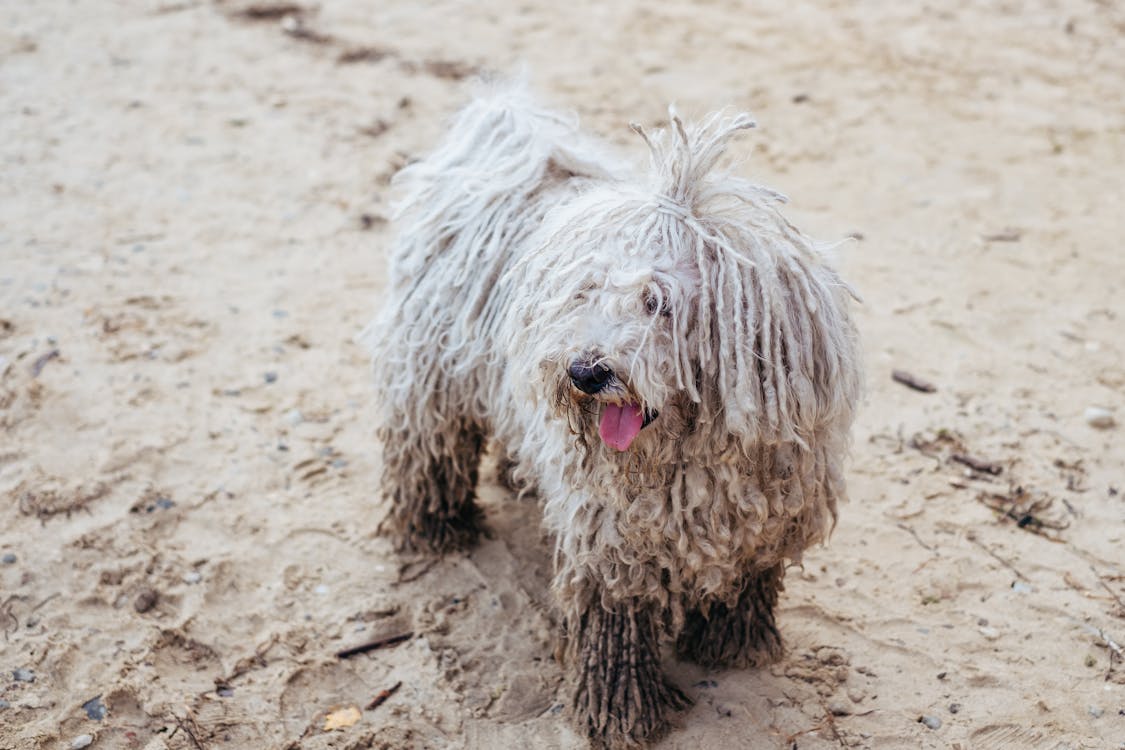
638	721
729	640
436	534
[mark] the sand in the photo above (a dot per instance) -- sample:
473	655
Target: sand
193	207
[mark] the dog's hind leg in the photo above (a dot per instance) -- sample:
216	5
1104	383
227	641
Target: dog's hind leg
430	477
622	697
741	636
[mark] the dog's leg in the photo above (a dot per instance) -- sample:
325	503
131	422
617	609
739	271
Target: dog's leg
430	477
741	636
622	698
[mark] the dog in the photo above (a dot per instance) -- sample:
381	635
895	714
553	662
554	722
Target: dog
665	362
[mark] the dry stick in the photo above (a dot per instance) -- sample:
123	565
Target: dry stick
415	575
977	464
381	698
912	381
913	533
42	361
363	648
182	724
997	558
832	725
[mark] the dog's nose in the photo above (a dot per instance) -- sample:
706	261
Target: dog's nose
589	378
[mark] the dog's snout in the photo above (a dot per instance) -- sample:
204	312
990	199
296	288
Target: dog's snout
589	378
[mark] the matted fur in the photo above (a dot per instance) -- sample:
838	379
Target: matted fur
522	247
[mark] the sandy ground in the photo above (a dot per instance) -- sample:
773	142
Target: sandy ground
193	204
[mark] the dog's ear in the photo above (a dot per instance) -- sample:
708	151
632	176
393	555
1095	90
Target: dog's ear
774	352
782	345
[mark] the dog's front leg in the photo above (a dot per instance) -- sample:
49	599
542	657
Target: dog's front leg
744	635
430	476
622	697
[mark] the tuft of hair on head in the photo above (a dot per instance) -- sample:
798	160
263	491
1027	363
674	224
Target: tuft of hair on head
682	159
774	341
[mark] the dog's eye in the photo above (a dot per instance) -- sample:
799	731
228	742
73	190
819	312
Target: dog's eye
654	305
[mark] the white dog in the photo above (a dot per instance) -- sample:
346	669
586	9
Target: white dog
665	360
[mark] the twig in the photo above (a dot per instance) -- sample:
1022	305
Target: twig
1006	235
997	558
1104	585
182	724
828	717
414	575
363	648
42	361
381	698
1107	640
912	381
977	464
913	533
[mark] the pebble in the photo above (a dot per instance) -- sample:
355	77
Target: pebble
989	633
1021	588
839	708
932	722
81	741
145	600
1096	712
4	704
9	558
95	709
321	589
1100	418
271	377
23	675
954	708
193	577
294	417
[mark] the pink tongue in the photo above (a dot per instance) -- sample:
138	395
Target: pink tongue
620	424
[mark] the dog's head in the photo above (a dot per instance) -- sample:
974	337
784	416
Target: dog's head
686	308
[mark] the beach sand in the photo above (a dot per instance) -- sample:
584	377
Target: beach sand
194	205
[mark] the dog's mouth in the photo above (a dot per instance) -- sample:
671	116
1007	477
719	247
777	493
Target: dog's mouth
622	422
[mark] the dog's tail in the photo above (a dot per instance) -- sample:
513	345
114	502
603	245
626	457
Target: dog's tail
484	185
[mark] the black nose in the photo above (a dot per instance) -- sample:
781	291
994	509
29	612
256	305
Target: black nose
589	378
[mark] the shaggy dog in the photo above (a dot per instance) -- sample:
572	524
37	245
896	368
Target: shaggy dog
665	361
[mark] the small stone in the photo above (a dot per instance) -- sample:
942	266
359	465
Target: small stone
225	692
954	708
81	741
839	708
1099	418
9	558
1096	712
270	377
193	577
145	600
321	589
4	704
990	633
95	709
164	503
23	675
1021	588
932	722
294	417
